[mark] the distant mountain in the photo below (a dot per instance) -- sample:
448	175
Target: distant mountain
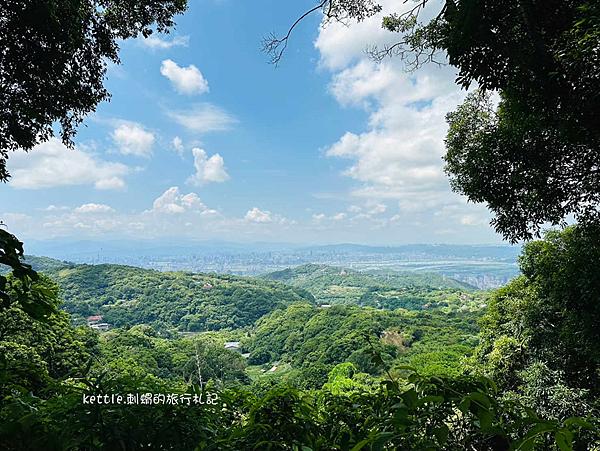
190	302
450	251
84	249
383	289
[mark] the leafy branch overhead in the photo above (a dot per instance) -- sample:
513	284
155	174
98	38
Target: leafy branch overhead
54	59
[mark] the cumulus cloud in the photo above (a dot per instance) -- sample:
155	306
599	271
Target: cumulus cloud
208	169
185	80
203	117
132	139
399	156
156	42
354	209
53	164
93	208
173	202
256	215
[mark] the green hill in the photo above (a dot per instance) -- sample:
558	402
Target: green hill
379	289
183	300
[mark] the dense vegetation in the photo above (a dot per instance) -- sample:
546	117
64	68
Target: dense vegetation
314	341
380	289
189	302
343	377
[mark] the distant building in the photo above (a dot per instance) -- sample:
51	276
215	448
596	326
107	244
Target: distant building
232	345
324	306
102	327
207	286
95	319
343	273
427	305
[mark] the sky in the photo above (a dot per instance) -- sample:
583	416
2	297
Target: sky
203	139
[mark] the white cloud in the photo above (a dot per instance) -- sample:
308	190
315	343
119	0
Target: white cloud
378	209
156	42
185	80
208	169
178	146
53	164
113	183
132	139
54	208
93	208
354	209
472	220
173	202
323	217
399	156
136	225
81	225
107	224
203	117
256	215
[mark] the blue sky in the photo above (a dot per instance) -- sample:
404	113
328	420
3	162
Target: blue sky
203	139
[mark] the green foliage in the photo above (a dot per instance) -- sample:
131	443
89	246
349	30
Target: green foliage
378	289
540	335
54	58
528	163
140	351
309	338
23	288
36	352
183	300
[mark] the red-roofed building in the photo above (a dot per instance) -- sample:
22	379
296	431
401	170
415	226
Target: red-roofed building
94	319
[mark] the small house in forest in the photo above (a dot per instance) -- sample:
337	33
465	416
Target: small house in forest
94	319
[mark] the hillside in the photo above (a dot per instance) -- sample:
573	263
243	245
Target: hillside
183	300
381	289
313	341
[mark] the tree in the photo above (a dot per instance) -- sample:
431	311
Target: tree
54	59
22	288
535	159
543	326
